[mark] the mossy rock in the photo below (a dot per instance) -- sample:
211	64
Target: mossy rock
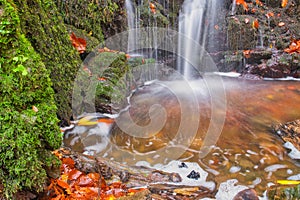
91	42
27	133
99	82
284	192
100	18
43	26
241	35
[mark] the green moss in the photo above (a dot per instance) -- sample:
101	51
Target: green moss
88	15
284	192
43	26
90	92
26	136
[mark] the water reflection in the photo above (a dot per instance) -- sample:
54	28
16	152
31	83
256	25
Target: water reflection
246	149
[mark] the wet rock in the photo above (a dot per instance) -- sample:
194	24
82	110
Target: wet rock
256	56
289	132
284	192
159	176
143	195
274	70
182	165
194	175
248	194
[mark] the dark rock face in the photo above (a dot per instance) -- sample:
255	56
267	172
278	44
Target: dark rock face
276	26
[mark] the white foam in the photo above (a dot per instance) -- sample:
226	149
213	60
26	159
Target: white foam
228	190
228	74
289	78
273	168
295	153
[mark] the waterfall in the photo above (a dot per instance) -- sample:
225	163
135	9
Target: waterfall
196	21
131	25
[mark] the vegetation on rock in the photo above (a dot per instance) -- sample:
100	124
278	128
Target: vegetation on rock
28	122
43	27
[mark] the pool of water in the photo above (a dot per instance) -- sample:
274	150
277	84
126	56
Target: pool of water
168	121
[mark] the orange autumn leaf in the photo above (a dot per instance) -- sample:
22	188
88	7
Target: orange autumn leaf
255	24
68	161
294	47
258	2
152	6
284	3
243	3
63	184
78	43
247	53
270	14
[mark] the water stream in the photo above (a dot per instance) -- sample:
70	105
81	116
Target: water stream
246	150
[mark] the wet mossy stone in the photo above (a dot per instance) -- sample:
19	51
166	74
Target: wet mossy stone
27	135
44	28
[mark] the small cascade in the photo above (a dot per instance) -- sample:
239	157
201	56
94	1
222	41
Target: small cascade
131	25
196	23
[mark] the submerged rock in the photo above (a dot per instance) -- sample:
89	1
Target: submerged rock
248	194
289	132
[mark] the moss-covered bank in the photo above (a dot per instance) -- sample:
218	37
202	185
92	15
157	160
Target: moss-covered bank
43	26
28	121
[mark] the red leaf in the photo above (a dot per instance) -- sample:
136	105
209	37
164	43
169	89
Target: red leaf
74	174
84	180
68	161
78	43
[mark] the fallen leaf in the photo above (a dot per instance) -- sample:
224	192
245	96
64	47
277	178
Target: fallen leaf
35	109
258	2
288	182
247	53
106	120
243	3
63	184
255	24
78	43
68	161
270	14
294	47
87	121
284	3
280	24
186	191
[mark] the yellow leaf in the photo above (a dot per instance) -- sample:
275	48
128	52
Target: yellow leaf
186	191
288	182
87	121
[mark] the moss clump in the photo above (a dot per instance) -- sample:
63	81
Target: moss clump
88	15
100	82
26	136
43	26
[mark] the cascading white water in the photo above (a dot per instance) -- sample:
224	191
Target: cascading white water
196	21
132	24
